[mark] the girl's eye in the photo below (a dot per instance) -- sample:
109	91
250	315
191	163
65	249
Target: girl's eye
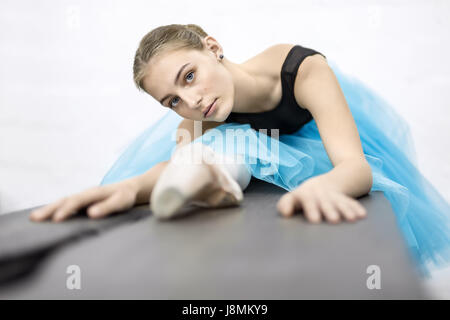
187	76
170	103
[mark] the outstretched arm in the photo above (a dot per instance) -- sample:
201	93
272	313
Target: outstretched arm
317	89
101	201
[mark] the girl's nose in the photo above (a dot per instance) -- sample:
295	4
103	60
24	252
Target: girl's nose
192	100
195	103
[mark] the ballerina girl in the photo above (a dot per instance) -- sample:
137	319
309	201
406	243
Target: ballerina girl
335	141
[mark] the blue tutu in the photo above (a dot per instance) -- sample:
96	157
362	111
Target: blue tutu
423	215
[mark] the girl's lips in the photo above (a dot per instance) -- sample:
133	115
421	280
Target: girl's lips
211	109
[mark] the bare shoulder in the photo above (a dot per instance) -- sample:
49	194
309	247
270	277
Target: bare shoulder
311	64
313	75
270	60
277	54
274	56
279	48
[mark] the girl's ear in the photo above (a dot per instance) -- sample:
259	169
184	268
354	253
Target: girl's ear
211	44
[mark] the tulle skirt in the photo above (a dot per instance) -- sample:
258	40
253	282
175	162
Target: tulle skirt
422	214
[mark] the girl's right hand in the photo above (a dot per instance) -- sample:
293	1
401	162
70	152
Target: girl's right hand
101	200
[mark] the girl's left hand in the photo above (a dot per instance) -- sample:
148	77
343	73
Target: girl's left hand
316	198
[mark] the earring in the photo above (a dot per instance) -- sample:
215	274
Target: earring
221	56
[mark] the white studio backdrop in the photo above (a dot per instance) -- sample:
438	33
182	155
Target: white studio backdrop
68	105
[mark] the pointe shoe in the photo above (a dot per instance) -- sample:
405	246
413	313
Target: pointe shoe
194	175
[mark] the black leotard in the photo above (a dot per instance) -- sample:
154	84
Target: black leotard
287	116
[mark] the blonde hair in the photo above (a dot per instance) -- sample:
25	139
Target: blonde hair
165	38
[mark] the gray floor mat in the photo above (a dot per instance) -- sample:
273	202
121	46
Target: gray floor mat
245	252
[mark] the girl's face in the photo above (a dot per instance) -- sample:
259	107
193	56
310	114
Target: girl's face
189	81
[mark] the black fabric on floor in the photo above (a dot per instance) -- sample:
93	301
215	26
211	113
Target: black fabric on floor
24	243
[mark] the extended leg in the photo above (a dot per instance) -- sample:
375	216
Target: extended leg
196	174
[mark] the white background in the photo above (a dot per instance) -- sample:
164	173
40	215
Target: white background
68	105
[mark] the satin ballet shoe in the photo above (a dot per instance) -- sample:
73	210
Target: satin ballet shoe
224	191
193	176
